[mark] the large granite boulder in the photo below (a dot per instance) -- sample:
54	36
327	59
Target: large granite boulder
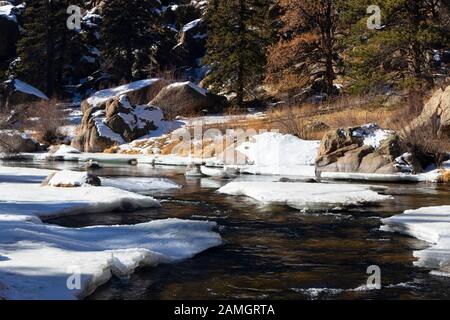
186	98
364	149
120	122
436	114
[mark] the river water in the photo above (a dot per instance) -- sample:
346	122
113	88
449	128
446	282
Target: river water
273	251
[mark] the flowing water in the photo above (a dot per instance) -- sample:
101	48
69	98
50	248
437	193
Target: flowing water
273	251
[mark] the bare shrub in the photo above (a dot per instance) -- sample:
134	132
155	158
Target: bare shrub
46	118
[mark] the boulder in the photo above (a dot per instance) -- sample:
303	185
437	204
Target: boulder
9	31
138	93
192	42
364	149
18	92
14	141
186	98
436	114
118	123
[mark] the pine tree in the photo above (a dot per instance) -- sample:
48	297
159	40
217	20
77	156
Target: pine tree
43	48
397	53
239	32
131	32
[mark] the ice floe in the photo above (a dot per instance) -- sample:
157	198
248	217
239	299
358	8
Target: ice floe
41	261
432	225
305	196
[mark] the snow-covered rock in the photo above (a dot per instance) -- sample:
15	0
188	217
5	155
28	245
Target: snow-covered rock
101	97
71	179
120	122
432	225
305	196
364	149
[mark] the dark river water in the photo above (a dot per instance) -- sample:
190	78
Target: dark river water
274	252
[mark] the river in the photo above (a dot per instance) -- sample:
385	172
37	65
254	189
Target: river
272	251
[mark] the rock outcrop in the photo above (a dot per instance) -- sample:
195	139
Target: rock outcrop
117	123
365	149
186	98
436	114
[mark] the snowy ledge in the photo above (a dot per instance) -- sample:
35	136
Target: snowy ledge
40	261
432	225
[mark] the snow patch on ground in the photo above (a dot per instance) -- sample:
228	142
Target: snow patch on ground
305	196
432	225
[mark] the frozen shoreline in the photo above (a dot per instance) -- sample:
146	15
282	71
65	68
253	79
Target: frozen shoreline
37	259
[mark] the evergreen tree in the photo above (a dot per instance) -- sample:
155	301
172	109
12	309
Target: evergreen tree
43	48
239	32
132	33
398	53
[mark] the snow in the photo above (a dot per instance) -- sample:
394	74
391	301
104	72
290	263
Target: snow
69	178
432	225
190	84
191	25
276	153
305	196
39	261
105	131
373	135
28	89
7	11
140	185
65	149
102	96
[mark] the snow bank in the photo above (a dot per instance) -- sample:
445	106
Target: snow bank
305	196
272	153
104	95
432	225
28	89
39	261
